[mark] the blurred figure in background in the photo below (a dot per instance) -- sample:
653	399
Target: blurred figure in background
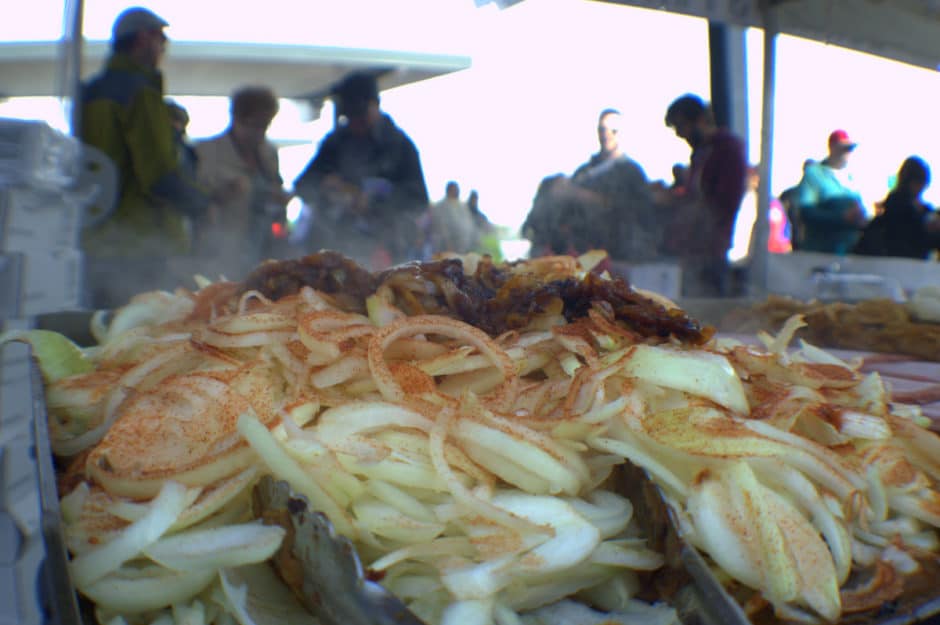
239	169
488	235
790	199
545	225
365	181
830	212
179	120
606	204
452	227
908	227
701	233
124	115
482	223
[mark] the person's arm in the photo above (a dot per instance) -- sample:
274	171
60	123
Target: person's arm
408	189
810	206
206	165
837	211
324	163
272	167
807	191
154	157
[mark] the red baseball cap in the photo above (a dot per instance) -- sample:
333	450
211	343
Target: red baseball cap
840	138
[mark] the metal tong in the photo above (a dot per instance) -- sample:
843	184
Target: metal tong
333	586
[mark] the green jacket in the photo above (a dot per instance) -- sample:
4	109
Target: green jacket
124	115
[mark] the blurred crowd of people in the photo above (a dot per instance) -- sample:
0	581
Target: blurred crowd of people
610	203
697	218
827	214
220	203
217	207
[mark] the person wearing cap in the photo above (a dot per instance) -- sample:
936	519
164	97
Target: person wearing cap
123	113
830	211
365	182
716	181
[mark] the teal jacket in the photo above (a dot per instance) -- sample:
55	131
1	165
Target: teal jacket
822	200
124	115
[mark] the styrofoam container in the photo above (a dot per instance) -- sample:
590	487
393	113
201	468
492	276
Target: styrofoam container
52	281
34	220
32	153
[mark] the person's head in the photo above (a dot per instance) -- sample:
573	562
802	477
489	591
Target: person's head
452	190
473	200
913	176
252	109
608	129
138	33
840	146
691	119
357	99
178	116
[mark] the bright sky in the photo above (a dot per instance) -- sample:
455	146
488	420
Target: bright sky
541	72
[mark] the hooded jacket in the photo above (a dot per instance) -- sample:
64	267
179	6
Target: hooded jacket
124	115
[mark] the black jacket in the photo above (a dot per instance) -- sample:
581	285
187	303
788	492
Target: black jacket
385	154
900	231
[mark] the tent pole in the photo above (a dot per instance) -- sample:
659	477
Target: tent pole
759	264
73	61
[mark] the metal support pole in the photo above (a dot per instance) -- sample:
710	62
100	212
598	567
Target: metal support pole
71	68
727	51
759	262
720	73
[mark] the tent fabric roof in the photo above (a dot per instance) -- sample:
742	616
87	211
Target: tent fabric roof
903	30
197	68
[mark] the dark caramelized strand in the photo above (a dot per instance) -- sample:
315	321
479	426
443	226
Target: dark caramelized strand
495	298
326	271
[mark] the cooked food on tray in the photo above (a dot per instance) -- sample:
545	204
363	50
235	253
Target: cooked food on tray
879	325
461	421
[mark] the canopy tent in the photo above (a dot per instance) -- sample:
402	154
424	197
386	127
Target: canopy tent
200	69
902	30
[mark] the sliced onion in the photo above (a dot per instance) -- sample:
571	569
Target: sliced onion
432	324
471	612
521	451
150	588
438	548
153	367
384	520
222	547
699	373
256	596
463	495
353	418
636	613
286	468
95	564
